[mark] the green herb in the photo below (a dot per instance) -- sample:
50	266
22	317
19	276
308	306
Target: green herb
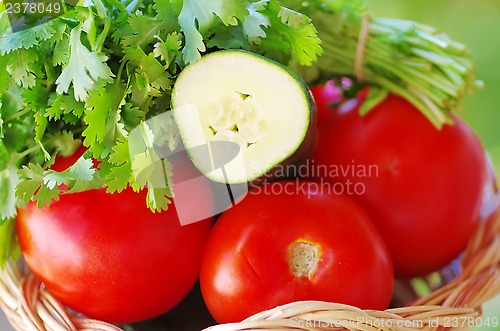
99	71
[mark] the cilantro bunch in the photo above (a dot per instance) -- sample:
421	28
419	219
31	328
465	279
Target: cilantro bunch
410	59
104	68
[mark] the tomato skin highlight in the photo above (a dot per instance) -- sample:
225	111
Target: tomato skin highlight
246	267
426	197
109	257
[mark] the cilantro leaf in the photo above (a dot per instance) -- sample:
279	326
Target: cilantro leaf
84	68
44	186
132	116
289	29
304	40
25	39
61	52
196	17
102	116
64	104
169	49
41	123
23	67
147	65
118	178
120	170
254	23
158	198
37	98
228	38
145	166
82	170
32	186
139	31
167	12
61	87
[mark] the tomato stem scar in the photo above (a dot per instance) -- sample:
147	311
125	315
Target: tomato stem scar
303	259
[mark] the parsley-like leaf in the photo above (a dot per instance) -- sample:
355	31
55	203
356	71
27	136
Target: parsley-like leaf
25	39
120	170
139	31
23	67
61	52
43	185
37	98
254	23
82	170
132	116
60	85
32	186
84	68
102	116
158	198
64	104
197	17
289	29
169	49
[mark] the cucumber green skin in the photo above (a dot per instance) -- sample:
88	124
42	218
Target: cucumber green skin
304	150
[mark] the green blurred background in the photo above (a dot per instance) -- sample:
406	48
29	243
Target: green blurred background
475	23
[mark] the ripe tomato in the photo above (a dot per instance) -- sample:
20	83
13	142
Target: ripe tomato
327	97
109	257
421	186
289	241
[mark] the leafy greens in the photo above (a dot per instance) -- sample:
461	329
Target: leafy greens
104	68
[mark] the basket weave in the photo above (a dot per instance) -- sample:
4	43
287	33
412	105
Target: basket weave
30	307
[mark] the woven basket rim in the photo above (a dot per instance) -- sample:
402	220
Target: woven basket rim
30	307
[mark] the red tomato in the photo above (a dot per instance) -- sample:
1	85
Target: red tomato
421	186
327	97
109	257
289	241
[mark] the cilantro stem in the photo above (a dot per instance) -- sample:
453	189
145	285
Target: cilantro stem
22	155
16	157
103	35
118	5
18	114
50	75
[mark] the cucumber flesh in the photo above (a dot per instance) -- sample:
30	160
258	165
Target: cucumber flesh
246	99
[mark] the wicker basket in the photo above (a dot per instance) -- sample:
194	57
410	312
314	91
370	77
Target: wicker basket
457	305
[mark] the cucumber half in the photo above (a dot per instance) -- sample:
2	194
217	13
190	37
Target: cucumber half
261	108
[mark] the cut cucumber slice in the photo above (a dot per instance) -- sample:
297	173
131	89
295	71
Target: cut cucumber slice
259	105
